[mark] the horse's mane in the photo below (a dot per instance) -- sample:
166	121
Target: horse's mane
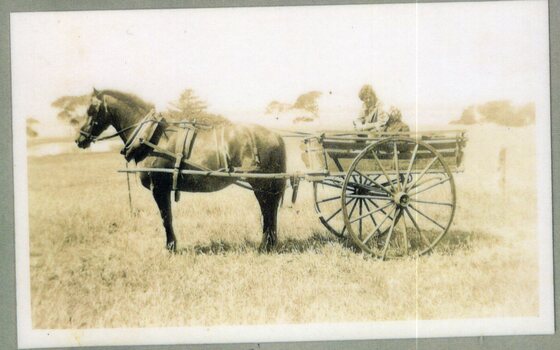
130	99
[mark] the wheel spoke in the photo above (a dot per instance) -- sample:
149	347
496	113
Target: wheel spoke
405	236
427	241
383	170
371	216
372	190
335	185
375	205
360	223
353	207
364	196
423	182
427	217
377	185
412	159
430	202
396	160
422	173
337	211
328	199
368	213
379	225
397	213
431	186
350	215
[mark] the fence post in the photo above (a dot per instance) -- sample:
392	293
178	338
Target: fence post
502	160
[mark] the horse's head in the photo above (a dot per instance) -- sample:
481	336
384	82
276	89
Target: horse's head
97	120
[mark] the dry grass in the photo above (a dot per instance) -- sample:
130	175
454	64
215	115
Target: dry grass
93	265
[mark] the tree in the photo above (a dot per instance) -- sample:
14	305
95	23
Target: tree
72	108
190	107
306	107
308	102
467	117
501	112
276	107
29	127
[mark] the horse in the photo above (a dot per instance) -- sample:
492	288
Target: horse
242	145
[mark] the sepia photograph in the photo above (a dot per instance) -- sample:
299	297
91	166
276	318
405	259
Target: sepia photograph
275	174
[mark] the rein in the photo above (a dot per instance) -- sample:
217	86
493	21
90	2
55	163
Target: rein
136	125
94	138
139	124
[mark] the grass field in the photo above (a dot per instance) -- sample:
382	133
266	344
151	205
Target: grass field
93	264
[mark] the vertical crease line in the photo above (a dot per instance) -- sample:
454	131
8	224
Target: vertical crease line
416	126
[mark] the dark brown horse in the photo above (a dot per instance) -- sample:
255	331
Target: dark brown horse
242	145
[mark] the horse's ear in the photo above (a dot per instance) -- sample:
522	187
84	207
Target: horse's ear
95	92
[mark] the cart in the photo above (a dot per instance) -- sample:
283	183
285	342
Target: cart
392	194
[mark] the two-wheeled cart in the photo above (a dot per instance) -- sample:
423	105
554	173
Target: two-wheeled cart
392	194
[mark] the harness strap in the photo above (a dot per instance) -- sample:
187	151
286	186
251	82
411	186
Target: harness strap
138	128
183	149
146	129
224	150
254	149
218	158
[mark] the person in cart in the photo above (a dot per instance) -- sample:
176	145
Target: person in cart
372	116
394	122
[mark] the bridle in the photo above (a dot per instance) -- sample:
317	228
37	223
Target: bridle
93	121
93	138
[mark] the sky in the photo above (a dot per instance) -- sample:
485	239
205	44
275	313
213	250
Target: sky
430	60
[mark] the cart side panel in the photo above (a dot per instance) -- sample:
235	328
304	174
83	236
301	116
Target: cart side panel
341	151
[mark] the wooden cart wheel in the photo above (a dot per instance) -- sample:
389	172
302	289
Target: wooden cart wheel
408	193
327	196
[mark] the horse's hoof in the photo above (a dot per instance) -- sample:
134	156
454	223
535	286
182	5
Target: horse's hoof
266	248
171	247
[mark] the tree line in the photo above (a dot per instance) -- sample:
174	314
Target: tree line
189	106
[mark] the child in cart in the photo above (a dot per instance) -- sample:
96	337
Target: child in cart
373	118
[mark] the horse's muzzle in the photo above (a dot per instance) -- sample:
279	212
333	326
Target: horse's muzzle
83	142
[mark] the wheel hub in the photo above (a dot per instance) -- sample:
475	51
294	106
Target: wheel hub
402	199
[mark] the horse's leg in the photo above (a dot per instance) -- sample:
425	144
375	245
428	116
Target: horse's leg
269	199
162	195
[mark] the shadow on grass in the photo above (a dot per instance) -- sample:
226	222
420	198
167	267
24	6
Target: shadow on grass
314	243
454	241
460	240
